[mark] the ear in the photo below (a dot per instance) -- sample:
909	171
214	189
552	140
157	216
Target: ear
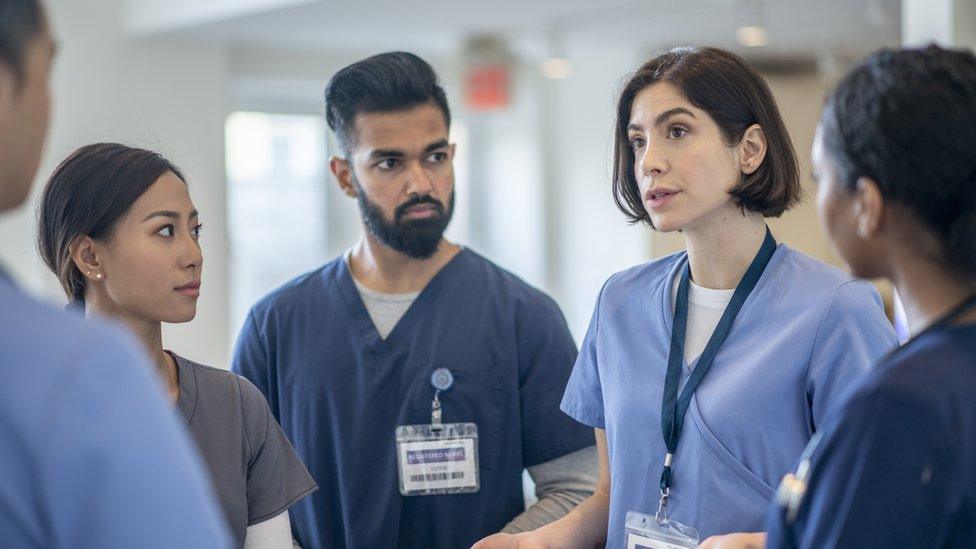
342	171
85	257
869	206
752	149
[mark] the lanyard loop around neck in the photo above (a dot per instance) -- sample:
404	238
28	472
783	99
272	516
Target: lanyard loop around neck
673	407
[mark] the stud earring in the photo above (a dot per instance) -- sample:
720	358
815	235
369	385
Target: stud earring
98	276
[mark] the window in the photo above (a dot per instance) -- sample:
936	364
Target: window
276	203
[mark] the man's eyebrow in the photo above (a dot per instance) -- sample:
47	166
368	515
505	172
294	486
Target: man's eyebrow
439	144
386	153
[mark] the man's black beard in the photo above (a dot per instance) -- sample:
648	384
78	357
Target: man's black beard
416	238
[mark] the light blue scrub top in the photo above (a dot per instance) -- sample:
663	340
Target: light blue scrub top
92	456
803	336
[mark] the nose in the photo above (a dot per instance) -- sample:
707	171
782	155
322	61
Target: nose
418	180
192	255
652	162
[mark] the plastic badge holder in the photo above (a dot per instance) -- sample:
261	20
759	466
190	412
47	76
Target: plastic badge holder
438	459
647	532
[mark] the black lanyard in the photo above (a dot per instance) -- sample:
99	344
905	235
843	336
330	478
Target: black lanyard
673	408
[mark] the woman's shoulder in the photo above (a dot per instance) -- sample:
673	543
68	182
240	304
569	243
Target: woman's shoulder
805	278
224	381
643	274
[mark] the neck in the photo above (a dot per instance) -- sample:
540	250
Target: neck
929	292
721	249
148	332
384	269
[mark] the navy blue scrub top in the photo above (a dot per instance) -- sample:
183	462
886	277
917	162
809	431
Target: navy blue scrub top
339	391
897	464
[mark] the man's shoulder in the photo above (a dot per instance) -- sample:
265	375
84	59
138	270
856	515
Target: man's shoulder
501	282
301	290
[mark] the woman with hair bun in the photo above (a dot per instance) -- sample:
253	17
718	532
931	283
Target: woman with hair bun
119	230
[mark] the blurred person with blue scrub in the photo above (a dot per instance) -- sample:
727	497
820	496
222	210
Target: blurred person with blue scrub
416	379
895	161
119	230
705	373
91	454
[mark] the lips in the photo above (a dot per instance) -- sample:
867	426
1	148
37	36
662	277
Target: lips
658	197
191	289
421	207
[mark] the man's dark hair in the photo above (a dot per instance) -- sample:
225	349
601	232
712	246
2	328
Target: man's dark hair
906	118
734	94
88	195
388	82
20	22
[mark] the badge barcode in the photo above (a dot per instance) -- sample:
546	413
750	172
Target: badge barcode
437	476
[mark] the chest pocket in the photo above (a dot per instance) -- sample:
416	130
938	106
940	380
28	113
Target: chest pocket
475	397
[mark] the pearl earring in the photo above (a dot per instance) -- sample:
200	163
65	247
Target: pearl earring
98	276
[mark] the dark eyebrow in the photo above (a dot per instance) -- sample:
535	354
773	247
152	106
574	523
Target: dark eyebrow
661	118
439	144
385	153
394	153
170	214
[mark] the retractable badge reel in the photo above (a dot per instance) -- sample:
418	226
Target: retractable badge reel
438	458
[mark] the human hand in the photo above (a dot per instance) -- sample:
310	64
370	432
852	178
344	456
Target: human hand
525	540
751	540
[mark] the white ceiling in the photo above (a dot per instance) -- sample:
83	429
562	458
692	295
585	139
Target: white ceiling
797	28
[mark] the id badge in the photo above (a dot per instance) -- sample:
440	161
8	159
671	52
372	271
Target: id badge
647	532
437	459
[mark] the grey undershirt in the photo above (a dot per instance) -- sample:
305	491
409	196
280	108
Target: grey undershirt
560	484
385	309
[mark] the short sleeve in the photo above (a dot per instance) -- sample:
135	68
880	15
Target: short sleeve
854	335
276	476
583	399
546	352
883	476
116	469
251	360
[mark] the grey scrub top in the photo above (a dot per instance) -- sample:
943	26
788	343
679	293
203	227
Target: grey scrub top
255	471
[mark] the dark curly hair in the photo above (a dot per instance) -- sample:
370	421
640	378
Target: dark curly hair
906	118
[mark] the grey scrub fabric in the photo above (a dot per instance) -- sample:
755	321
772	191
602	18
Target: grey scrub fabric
255	471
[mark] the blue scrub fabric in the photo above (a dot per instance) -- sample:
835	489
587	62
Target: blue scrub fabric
896	466
339	391
92	456
802	337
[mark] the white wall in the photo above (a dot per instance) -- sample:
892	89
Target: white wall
589	237
164	96
545	162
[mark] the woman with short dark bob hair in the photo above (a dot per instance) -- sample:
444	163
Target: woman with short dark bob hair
119	230
706	372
